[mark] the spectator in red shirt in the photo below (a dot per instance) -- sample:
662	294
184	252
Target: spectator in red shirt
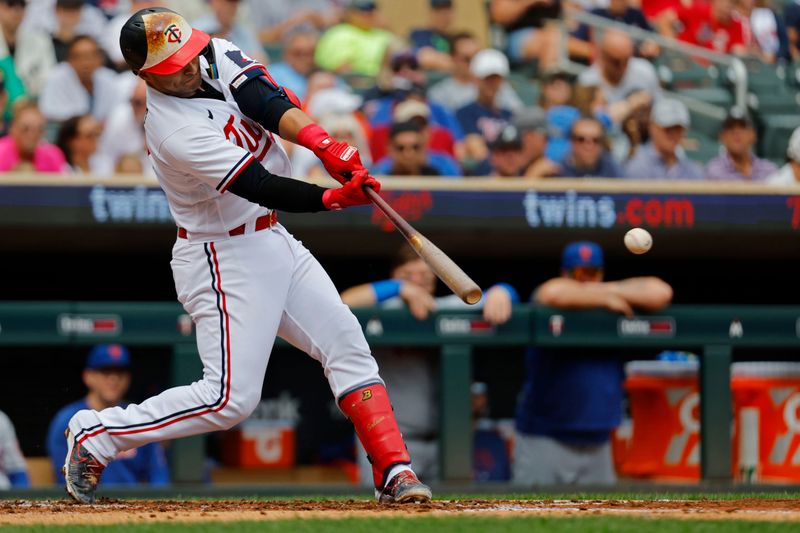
712	25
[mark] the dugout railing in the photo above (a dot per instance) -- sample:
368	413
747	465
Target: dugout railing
712	331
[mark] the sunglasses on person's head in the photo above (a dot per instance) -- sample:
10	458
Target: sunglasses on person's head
15	3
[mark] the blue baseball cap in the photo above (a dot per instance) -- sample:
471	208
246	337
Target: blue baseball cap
582	254
107	356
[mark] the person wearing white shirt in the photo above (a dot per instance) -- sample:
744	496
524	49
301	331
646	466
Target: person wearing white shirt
123	136
64	19
32	51
789	174
81	85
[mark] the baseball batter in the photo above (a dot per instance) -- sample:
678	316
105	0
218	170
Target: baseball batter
212	119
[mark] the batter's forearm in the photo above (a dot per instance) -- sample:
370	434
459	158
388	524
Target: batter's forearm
291	123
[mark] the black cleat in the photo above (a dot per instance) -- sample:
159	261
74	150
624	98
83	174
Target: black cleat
405	488
81	471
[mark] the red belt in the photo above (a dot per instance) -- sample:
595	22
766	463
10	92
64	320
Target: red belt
267	221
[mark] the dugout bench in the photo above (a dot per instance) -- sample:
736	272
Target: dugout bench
714	331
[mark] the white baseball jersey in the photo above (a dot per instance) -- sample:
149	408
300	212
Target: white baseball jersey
198	146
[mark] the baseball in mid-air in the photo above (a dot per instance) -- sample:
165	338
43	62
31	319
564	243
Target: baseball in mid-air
638	240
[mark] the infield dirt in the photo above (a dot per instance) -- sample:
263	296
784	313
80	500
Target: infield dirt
142	511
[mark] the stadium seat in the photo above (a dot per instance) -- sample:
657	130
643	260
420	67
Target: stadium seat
526	87
776	132
700	147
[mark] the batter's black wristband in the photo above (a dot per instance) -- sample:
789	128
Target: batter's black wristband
254	183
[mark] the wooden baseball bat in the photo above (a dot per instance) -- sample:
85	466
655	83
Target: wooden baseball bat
444	267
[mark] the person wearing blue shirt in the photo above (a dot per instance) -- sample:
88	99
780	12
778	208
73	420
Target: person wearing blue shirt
432	44
482	120
588	155
570	402
297	64
107	376
409	156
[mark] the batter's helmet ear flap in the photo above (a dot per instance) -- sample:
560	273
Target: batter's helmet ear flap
208	53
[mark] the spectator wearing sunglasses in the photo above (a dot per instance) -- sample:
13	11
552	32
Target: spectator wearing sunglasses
408	155
588	156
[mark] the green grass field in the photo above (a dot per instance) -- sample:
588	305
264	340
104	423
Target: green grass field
455	524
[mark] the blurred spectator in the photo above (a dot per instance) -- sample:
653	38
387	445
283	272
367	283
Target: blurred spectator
769	41
407	82
80	86
439	138
556	100
123	136
570	403
459	89
3	102
356	45
109	41
13	468
107	377
274	19
64	20
342	127
409	156
589	156
531	33
24	148
627	82
221	22
297	64
712	25
663	157
621	11
738	162
791	14
789	174
412	372
318	81
532	126
11	91
505	156
77	139
635	129
432	44
482	121
32	51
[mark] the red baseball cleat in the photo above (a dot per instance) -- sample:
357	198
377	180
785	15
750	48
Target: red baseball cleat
81	471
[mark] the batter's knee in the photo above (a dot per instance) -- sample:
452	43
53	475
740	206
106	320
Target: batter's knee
238	408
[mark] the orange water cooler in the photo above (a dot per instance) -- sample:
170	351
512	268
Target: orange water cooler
766	404
260	444
664	403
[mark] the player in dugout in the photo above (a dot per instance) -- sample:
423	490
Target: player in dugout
212	116
411	372
571	402
107	377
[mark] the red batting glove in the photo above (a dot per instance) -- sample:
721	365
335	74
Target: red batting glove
352	192
339	158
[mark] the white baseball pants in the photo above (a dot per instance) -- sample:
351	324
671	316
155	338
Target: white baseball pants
240	292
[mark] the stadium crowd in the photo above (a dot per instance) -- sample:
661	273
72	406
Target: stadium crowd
435	102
